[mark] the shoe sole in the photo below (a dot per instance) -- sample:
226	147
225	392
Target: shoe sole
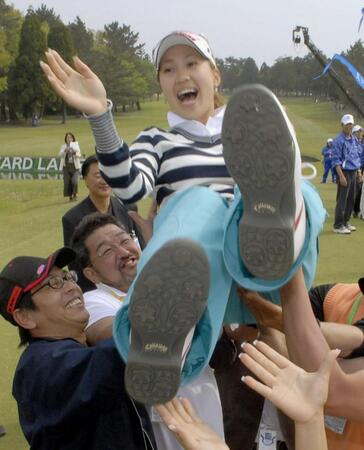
169	297
260	155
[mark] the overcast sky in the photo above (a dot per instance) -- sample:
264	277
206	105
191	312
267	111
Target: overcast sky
261	29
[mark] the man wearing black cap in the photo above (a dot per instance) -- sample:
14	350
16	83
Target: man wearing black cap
69	395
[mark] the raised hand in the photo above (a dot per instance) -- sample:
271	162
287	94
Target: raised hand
188	428
299	394
266	313
79	86
145	225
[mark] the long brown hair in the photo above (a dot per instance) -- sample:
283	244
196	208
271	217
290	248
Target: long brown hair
218	100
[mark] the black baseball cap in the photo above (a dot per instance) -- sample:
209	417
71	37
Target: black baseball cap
24	273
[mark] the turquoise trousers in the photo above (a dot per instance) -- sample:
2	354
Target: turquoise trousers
200	214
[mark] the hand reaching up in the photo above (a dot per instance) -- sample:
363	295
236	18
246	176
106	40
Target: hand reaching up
299	394
190	431
145	225
79	86
266	313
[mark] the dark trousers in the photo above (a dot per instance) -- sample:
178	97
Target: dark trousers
241	406
359	186
70	181
345	199
287	428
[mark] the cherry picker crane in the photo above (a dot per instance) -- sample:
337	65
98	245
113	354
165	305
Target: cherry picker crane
297	35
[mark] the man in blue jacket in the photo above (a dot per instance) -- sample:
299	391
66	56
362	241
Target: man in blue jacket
326	153
70	396
346	161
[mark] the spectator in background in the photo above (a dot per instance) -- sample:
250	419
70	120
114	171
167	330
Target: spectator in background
358	133
35	120
346	161
100	200
361	205
70	154
326	153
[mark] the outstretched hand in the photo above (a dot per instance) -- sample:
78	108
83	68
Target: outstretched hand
299	394
145	225
265	312
190	431
79	86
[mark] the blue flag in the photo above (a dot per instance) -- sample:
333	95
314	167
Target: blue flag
361	20
358	77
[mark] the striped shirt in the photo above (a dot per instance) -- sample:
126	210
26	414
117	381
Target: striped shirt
159	162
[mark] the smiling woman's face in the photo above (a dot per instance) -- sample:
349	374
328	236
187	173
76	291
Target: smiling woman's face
69	138
188	83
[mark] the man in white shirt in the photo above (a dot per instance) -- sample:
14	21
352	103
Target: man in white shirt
109	256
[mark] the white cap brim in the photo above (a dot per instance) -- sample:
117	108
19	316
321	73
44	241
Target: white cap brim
197	42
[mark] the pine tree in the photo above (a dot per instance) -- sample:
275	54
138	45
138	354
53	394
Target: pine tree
27	84
83	39
60	39
10	25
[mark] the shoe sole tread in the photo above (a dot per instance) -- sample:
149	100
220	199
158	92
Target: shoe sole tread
260	156
169	298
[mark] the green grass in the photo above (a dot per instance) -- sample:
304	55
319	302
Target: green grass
30	222
31	211
314	123
46	140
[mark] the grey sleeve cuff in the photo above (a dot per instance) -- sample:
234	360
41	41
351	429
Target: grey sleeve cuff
104	130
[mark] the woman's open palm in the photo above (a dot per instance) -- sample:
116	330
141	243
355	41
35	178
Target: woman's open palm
79	86
190	431
299	394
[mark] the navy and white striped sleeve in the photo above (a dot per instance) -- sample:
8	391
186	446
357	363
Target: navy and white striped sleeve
131	173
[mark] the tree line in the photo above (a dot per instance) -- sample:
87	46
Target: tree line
120	60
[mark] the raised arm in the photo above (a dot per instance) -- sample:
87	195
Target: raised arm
345	337
298	394
79	86
267	314
307	347
338	156
145	225
189	430
132	177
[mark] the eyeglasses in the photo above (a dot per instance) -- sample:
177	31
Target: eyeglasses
57	281
112	248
